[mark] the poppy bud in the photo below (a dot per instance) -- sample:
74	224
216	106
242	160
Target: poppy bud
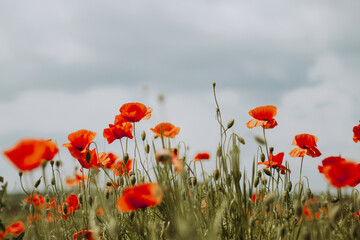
58	164
1	179
47	198
133	180
65	209
214	84
107	194
303	200
53	181
308	193
271	149
194	181
230	123
125	158
267	171
298	209
264	181
147	148
256	182
37	183
288	186
108	183
80	196
90	201
216	174
219	151
88	157
259	140
228	180
120	181
258	174
142	178
20	174
262	157
241	140
52	163
143	135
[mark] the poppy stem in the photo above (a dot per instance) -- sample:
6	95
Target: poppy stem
302	160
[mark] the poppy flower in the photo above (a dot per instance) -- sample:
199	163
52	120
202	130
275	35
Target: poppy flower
29	154
73	203
79	143
109	162
15	228
165	156
167	130
306	146
356	131
120	167
37	200
134	112
202	156
263	117
255	197
340	172
86	234
75	181
94	159
118	131
276	162
140	196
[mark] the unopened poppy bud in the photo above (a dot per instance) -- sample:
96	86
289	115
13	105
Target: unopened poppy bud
258	173
241	140
259	140
120	181
335	213
52	163
37	183
308	193
58	164
133	180
53	182
303	200
88	157
228	180
214	84
125	158
230	123
262	157
264	181
80	198
219	151
288	186
108	183
47	198
194	181
1	179
298	209
143	135
91	200
271	149
267	171
147	148
216	174
256	182
65	209
107	194
20	174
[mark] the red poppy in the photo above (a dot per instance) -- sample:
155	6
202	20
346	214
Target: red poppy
37	200
306	146
86	235
356	131
140	196
166	129
340	172
79	143
73	203
29	154
134	112
263	117
120	168
118	131
166	157
75	181
202	156
15	228
276	162
255	197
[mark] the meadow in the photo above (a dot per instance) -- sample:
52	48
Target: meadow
154	190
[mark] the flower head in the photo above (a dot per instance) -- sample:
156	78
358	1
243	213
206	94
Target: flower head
79	143
202	156
118	131
263	117
275	162
140	196
306	146
134	112
86	234
356	131
29	154
121	168
37	200
15	228
167	130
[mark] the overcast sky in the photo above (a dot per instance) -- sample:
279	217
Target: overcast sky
70	65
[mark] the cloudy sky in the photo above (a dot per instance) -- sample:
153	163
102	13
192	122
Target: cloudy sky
70	65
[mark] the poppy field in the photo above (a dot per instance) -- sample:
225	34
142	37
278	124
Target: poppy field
153	189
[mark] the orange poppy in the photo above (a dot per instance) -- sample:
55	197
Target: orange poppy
306	146
340	172
202	156
120	168
140	196
15	228
356	131
276	162
134	112
166	129
165	156
37	200
99	211
86	234
29	154
75	181
110	160
118	131
79	143
263	117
